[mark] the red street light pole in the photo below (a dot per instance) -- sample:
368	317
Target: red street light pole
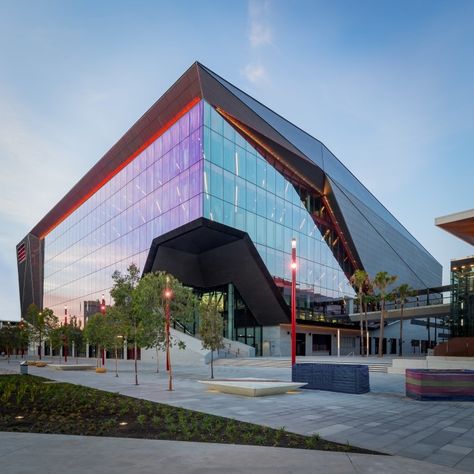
65	334
102	310
168	295
293	302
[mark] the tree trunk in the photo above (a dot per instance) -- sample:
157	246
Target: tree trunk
116	362
39	348
157	361
428	324
361	325
366	332
382	316
212	364
135	360
401	331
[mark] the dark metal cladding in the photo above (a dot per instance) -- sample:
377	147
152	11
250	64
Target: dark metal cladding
204	254
30	271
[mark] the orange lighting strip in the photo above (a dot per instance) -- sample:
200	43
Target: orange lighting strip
122	165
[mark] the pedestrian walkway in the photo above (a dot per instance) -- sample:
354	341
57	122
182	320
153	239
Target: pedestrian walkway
385	420
27	453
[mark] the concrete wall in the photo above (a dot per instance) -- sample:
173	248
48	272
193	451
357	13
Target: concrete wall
410	331
431	362
194	354
277	342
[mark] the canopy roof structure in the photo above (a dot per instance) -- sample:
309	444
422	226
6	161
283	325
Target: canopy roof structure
459	224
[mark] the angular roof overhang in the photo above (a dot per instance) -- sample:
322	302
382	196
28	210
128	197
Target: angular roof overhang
460	224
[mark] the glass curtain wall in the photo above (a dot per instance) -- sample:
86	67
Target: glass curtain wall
243	190
160	190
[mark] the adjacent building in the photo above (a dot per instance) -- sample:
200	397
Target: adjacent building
211	186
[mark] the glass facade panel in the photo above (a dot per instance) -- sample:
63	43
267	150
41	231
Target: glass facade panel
160	190
258	199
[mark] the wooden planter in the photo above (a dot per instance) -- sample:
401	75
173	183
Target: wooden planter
100	370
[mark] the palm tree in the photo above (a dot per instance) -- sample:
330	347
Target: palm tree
402	293
382	281
358	281
368	299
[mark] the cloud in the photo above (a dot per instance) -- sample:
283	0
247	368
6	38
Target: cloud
260	32
259	36
255	72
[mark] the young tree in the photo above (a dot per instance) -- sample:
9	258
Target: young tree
76	337
211	328
154	295
382	281
41	321
116	330
55	339
23	337
123	293
402	294
7	339
97	333
359	282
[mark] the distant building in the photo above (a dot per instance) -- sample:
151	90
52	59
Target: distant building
461	322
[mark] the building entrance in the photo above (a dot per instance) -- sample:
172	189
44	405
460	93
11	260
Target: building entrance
300	344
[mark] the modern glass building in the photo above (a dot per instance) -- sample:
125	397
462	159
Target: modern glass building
211	186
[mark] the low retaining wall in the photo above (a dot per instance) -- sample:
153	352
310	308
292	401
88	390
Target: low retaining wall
431	362
332	377
429	384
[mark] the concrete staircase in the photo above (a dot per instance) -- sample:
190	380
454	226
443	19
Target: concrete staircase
282	362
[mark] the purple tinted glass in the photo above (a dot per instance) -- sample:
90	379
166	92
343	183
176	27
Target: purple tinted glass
160	190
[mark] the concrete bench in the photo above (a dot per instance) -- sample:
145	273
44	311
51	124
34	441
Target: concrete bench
251	387
440	384
72	366
345	378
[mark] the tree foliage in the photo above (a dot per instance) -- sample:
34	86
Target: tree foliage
211	328
41	323
150	304
97	332
360	281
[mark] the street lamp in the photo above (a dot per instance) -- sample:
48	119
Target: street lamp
102	310
168	295
65	334
293	302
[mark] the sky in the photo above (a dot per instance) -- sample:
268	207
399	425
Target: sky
387	86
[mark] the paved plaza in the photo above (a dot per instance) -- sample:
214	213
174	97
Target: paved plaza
27	453
441	433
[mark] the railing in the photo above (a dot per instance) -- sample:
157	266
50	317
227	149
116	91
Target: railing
228	352
181	327
415	302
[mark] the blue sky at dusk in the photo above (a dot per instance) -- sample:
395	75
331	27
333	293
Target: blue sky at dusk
387	86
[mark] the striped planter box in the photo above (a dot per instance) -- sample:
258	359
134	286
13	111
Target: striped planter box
431	384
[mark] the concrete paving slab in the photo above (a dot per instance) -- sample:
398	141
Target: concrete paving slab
41	453
385	404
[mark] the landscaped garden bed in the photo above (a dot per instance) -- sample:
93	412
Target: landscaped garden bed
35	404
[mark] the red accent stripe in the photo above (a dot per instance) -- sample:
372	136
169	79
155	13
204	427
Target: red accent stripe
122	165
